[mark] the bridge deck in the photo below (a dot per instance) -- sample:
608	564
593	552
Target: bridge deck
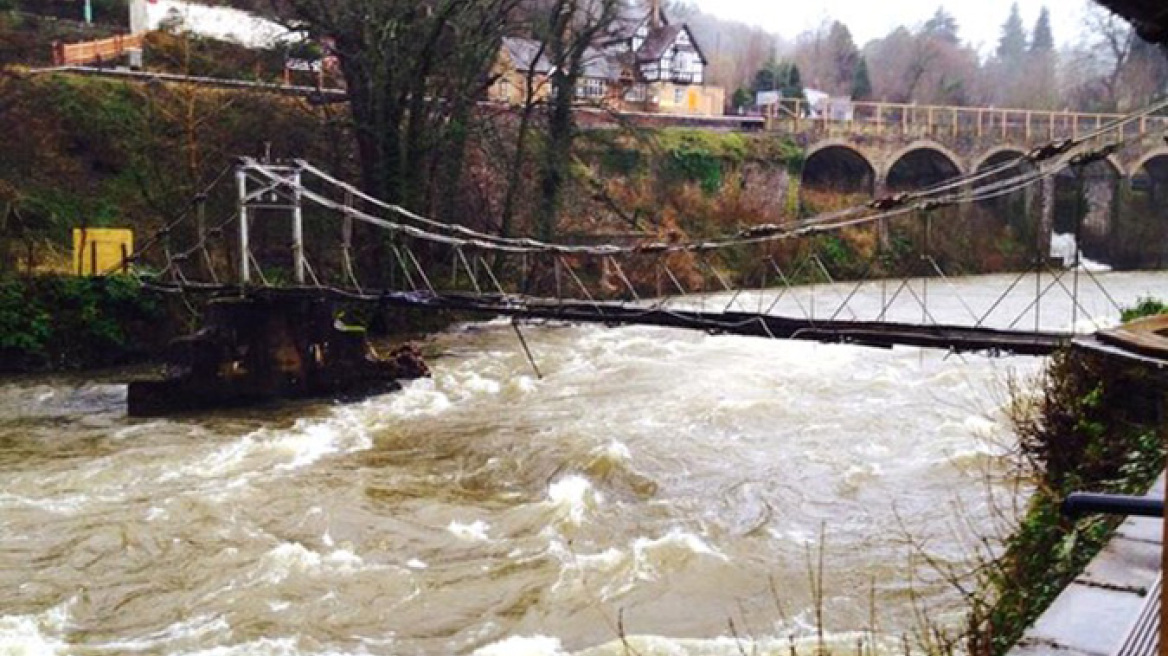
961	339
874	334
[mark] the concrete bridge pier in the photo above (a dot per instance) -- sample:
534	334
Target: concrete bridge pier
883	227
1046	211
1100	187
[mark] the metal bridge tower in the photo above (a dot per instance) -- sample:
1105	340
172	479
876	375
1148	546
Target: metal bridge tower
283	194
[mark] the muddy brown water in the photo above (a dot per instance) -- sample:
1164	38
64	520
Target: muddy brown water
655	483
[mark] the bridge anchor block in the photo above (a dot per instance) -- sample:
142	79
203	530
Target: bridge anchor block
254	350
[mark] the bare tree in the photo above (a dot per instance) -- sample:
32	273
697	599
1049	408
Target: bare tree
736	50
1113	69
1145	77
1105	55
575	28
531	100
927	66
414	71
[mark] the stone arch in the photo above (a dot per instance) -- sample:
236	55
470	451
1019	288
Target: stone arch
995	153
986	173
1141	235
834	143
938	169
1146	159
1086	203
1000	202
1102	167
838	165
1117	166
1097	168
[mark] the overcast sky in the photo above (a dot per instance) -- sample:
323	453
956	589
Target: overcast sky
980	20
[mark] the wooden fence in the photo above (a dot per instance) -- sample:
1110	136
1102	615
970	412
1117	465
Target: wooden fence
103	50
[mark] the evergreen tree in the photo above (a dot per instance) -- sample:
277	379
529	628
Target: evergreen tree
1043	39
861	82
789	79
1012	44
764	79
844	57
942	26
780	76
743	98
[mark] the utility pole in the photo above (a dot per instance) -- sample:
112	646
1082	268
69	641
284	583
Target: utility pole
89	12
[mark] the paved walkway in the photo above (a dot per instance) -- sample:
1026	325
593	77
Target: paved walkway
1094	615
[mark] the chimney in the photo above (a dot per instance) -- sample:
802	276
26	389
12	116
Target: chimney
655	21
139	17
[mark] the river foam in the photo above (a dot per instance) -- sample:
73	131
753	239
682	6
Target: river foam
35	635
670	476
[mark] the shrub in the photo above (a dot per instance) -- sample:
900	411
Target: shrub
1096	428
1145	307
57	322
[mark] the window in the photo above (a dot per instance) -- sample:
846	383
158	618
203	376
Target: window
678	96
639	93
592	87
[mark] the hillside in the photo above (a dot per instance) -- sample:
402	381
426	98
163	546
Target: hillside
27	38
95	152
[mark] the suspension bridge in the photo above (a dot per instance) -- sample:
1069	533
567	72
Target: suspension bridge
429	265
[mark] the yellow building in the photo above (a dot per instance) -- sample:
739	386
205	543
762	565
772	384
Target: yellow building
687	99
513	69
523	60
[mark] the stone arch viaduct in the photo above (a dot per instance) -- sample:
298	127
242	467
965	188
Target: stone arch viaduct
878	148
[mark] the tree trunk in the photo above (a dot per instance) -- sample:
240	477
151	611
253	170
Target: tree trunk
515	175
557	156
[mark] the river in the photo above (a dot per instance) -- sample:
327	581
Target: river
655	484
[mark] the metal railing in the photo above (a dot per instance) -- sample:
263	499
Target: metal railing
1029	125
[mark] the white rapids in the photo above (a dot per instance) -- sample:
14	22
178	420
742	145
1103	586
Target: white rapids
655	485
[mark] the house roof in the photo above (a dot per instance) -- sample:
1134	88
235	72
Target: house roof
633	15
658	41
597	63
662	38
524	53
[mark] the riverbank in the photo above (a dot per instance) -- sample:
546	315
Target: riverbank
65	323
1095	424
